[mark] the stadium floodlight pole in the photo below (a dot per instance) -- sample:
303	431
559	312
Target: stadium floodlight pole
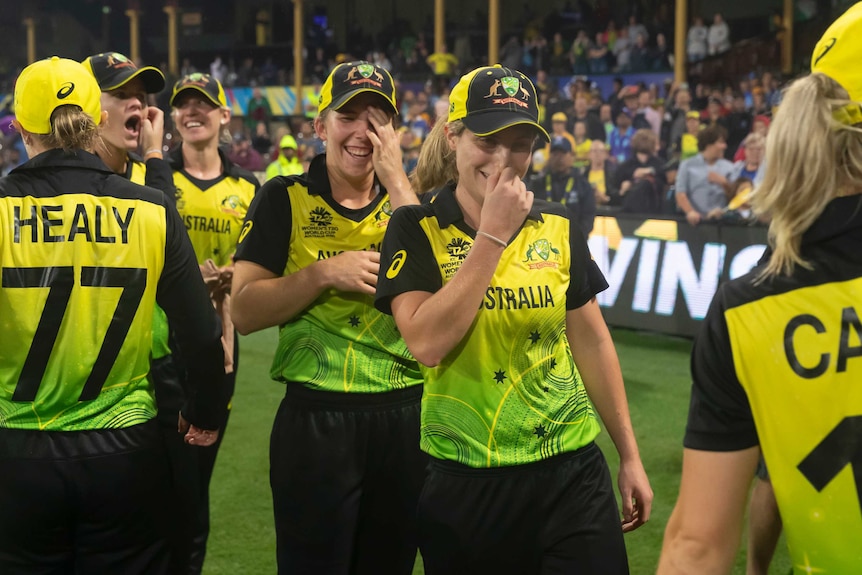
30	23
679	57
787	39
173	61
493	32
298	39
439	25
134	14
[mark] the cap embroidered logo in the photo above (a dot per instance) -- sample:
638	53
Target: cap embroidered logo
511	85
65	90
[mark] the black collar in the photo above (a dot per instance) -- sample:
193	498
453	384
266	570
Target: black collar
59	158
175	159
318	178
841	215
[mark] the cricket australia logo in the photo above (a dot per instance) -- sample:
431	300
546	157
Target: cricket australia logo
511	85
514	89
539	253
385	210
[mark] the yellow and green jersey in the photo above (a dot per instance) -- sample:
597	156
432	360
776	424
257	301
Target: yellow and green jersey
82	253
213	210
510	392
779	365
340	343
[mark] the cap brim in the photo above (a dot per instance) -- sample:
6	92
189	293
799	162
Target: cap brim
496	121
152	78
197	89
342	100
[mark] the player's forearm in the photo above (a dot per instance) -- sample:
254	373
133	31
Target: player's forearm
597	362
437	325
265	302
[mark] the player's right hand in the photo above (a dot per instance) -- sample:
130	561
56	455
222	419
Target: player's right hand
506	205
353	271
152	129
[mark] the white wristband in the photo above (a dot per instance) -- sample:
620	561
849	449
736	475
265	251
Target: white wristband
494	239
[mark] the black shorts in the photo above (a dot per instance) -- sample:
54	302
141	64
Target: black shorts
84	501
346	471
550	517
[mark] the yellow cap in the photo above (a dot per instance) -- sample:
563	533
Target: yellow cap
837	53
287	141
560	117
45	85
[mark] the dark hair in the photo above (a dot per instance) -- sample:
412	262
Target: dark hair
709	136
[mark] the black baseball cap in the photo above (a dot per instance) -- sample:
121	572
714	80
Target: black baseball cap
204	84
113	70
493	98
561	144
350	79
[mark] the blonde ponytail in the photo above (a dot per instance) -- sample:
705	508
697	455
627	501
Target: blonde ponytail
436	165
811	158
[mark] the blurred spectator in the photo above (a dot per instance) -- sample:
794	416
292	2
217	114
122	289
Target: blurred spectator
218	69
558	56
535	55
261	141
600	173
718	37
582	145
751	167
759	125
686	146
268	73
645	109
288	162
561	182
758	99
640	179
510	53
244	156
703	182
310	144
319	65
410	146
258	110
739	123
578	54
559	122
623	51
640	56
186	69
463	49
606	118
620	140
597	56
582	112
714	114
637	30
444	64
417	118
661	55
696	45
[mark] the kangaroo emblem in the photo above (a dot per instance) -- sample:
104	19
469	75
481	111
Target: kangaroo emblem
494	87
352	74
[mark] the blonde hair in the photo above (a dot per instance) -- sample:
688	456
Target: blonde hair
71	129
436	166
804	173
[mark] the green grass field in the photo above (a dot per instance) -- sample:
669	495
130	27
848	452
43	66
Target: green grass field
242	538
